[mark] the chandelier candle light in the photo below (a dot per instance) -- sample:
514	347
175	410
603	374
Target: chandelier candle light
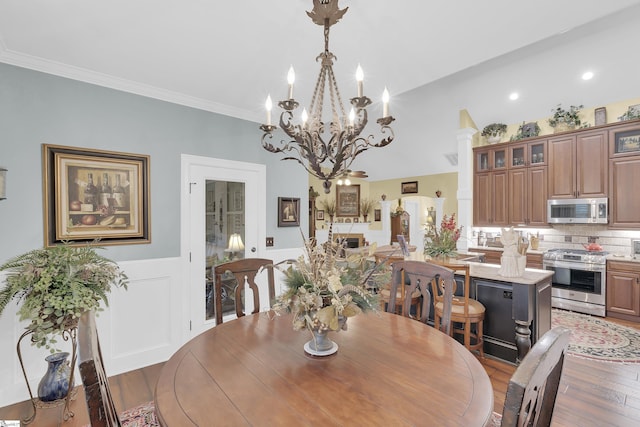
326	154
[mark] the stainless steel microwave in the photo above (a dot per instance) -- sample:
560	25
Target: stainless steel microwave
578	211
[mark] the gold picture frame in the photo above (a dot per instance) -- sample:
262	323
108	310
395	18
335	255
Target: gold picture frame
95	194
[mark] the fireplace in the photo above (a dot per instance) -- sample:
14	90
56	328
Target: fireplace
350	240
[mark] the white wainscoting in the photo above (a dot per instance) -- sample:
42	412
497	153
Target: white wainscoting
142	326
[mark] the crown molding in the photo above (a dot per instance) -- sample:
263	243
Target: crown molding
10	57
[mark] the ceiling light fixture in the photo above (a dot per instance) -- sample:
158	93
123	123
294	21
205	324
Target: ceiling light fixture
587	76
513	96
326	154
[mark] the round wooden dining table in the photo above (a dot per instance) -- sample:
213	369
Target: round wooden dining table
389	370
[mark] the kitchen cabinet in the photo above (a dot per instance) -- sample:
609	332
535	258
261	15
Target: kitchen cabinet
578	166
516	315
527	185
490	199
527	196
624	204
623	290
534	260
490	187
624	176
492	256
528	154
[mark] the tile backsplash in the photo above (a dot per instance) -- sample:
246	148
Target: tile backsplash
574	236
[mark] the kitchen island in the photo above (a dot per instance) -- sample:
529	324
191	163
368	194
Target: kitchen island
518	309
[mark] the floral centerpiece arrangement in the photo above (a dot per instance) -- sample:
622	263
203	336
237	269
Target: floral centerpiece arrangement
56	285
323	288
442	243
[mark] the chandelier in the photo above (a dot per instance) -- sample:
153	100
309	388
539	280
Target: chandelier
326	153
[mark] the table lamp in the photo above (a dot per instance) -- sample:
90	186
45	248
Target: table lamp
235	245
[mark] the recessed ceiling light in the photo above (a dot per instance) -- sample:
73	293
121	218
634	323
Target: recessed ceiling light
587	76
514	95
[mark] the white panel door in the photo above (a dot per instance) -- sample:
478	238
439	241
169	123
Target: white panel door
197	173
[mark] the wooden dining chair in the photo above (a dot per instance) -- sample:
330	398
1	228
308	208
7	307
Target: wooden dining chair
241	270
102	411
533	388
464	310
420	275
384	293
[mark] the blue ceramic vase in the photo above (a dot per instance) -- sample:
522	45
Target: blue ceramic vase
55	383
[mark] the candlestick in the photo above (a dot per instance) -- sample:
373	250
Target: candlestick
359	79
268	105
291	77
385	103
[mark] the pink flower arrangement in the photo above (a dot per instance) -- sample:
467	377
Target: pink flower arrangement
439	243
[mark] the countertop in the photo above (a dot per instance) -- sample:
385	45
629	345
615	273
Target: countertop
499	249
624	258
531	276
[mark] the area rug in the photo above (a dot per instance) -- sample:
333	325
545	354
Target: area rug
595	338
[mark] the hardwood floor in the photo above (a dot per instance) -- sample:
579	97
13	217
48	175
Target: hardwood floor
128	390
591	393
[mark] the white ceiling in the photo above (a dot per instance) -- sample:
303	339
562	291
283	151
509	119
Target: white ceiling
227	56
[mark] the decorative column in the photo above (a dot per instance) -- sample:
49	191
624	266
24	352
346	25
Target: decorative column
385	212
465	186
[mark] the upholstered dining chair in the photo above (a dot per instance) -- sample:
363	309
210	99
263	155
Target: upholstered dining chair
533	388
102	411
464	310
241	270
384	293
420	275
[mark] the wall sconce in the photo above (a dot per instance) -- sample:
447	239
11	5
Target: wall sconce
235	245
3	183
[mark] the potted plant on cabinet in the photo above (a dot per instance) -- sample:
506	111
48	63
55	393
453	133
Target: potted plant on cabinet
632	113
56	285
494	132
564	120
526	130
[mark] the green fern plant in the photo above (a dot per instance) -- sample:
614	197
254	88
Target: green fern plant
56	285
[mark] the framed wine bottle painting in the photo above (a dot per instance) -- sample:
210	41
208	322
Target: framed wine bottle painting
95	194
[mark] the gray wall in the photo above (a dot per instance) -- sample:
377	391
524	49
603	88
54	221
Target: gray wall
37	108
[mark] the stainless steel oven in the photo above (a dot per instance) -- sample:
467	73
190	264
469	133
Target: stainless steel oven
579	280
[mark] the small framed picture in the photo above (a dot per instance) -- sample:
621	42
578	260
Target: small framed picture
356	219
627	141
409	187
319	215
600	116
288	211
377	214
